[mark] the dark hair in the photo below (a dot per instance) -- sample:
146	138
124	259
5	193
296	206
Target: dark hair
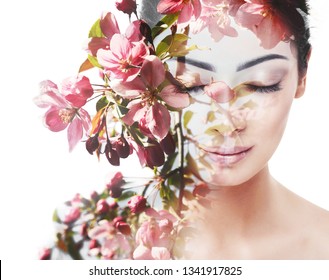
293	13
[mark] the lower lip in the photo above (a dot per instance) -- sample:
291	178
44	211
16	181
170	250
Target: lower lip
228	160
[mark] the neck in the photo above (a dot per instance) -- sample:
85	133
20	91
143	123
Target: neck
239	210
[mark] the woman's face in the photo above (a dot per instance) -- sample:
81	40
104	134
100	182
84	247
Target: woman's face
238	123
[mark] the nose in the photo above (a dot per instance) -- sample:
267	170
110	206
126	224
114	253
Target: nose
231	122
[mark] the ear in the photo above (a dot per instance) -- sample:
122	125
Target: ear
301	87
302	81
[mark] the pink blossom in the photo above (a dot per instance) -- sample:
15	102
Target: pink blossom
126	6
148	107
154	237
72	215
137	204
215	17
261	17
61	114
114	179
77	90
102	207
189	9
124	58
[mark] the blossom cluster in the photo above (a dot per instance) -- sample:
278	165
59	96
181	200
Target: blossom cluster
135	105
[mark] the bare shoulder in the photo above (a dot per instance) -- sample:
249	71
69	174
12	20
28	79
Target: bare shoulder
313	224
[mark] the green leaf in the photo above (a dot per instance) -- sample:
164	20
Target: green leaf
164	24
56	217
96	30
93	60
86	65
126	195
187	117
192	167
101	103
122	110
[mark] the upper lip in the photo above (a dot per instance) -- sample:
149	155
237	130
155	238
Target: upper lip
230	151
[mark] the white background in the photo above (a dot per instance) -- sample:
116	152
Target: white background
43	40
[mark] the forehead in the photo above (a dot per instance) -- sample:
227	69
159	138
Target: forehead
227	55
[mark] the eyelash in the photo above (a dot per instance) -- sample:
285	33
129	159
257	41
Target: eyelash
253	88
195	90
264	89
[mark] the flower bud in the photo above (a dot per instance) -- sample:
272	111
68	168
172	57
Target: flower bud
92	144
72	215
137	204
126	6
45	254
123	227
122	147
111	154
118	219
93	244
168	144
83	230
102	207
154	155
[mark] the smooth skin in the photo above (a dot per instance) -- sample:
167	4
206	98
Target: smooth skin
250	215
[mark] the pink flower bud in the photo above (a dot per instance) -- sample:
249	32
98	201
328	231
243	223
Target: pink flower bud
117	219
168	144
122	147
45	254
102	207
114	182
111	154
123	227
93	244
92	144
83	230
126	6
72	215
137	204
94	195
154	155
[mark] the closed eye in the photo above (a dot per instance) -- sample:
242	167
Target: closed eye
264	89
195	90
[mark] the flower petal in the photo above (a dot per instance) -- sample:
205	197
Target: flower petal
152	72
174	97
74	133
158	120
54	121
109	25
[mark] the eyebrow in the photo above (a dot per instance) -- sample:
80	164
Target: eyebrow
197	63
259	60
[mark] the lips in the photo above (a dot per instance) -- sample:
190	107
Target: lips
227	156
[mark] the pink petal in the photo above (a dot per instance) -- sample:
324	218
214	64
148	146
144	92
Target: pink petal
158	120
120	46
53	120
249	15
186	14
130	89
74	133
160	253
174	97
98	43
85	119
169	6
109	25
103	229
49	96
135	113
219	92
270	26
142	253
153	72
